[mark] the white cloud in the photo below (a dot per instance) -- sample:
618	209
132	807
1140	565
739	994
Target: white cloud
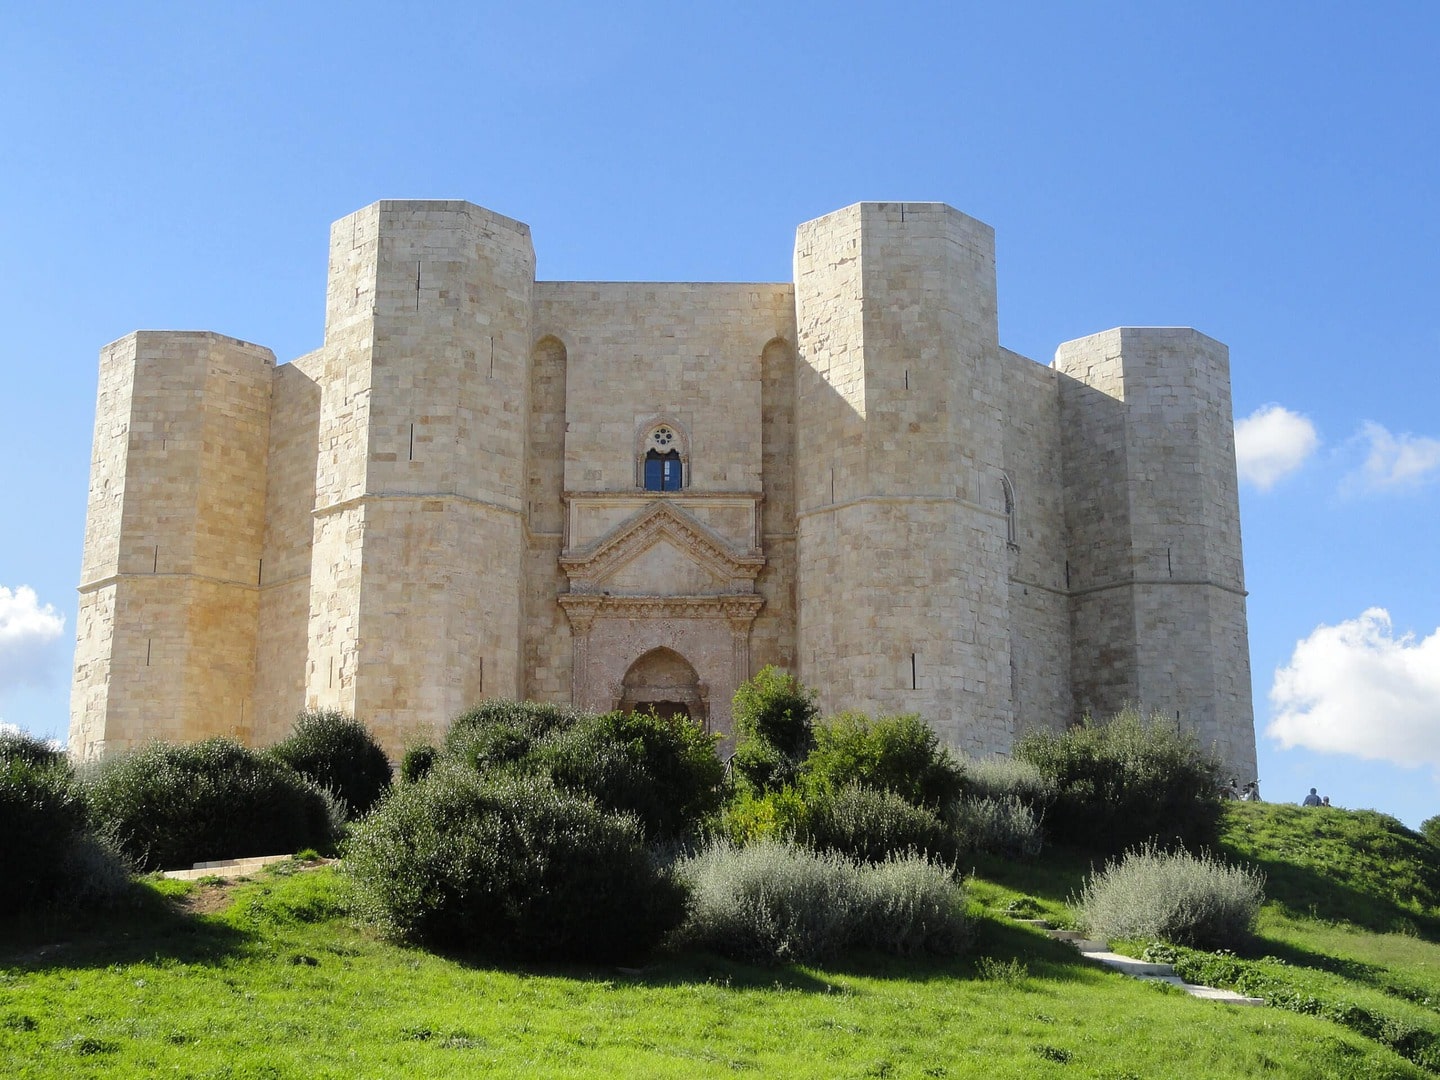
1396	461
1357	689
1271	443
27	630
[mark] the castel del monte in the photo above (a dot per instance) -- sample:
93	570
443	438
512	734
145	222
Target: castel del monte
637	494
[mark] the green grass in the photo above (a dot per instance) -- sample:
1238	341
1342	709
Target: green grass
279	982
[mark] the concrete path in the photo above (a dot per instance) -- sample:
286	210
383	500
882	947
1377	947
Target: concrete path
1099	951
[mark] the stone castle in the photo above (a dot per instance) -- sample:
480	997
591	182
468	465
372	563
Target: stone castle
637	494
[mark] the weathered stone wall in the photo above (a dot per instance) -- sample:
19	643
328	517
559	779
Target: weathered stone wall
172	560
1154	530
1035	506
903	583
282	660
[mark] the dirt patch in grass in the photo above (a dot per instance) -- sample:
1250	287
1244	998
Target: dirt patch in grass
207	899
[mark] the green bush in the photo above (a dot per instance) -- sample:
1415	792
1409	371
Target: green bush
418	761
751	816
168	805
996	826
773	902
662	770
893	753
871	825
21	746
43	818
1171	896
339	754
500	731
509	865
774	717
1430	829
1127	781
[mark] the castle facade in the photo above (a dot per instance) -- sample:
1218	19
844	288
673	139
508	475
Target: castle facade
633	495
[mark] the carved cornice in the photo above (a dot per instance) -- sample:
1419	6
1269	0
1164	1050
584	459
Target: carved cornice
590	566
581	608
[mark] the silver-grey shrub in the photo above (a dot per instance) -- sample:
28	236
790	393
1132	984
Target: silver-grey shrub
1001	777
1173	896
1002	825
775	902
913	905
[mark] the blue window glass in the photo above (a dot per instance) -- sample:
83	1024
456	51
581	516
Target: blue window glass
662	471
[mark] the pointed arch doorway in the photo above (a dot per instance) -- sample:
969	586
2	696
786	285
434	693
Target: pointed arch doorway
664	682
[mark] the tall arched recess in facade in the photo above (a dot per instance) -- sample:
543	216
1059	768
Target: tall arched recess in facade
545	666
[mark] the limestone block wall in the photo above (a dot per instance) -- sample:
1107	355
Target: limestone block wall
638	353
901	563
1155	615
418	557
282	647
171	566
1031	494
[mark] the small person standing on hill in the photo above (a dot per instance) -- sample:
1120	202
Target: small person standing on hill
1312	799
1231	790
1251	792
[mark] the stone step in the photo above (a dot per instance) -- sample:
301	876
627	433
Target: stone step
1128	964
226	868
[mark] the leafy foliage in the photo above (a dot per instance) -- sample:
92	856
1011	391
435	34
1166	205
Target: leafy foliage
773	815
872	825
901	754
339	754
1127	781
418	761
774	717
170	805
1171	896
509	865
43	818
22	746
1003	778
501	732
996	826
662	770
773	902
1430	829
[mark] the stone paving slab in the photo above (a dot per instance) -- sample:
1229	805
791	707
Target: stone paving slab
226	868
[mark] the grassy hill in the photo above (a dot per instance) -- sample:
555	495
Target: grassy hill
272	978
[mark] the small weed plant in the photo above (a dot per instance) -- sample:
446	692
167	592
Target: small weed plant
1171	896
339	754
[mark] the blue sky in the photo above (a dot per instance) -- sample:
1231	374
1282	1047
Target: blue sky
1265	173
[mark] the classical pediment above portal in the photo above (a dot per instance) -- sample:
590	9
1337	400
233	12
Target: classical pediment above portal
661	551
